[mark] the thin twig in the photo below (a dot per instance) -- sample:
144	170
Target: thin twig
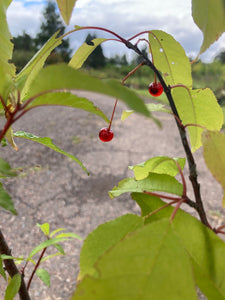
160	208
35	268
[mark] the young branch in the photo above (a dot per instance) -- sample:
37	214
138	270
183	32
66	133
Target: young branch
36	267
11	267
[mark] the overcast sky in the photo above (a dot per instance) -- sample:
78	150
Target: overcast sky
126	17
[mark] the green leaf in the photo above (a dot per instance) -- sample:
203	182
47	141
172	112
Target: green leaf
44	228
17	260
102	239
213	152
170	58
33	67
199	107
62	77
63	98
46	141
66	8
6	170
203	246
46	244
56	231
206	250
209	17
9	136
154	182
7	70
151	107
59	248
4	256
83	52
2	271
50	256
13	287
69	234
44	276
150	263
6	201
159	165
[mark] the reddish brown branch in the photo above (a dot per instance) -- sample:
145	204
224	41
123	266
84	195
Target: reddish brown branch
35	268
11	267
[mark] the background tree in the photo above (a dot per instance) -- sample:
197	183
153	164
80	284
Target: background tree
24	49
118	60
138	59
52	22
96	59
221	57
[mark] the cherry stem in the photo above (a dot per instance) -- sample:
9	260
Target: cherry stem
138	34
125	78
114	108
120	39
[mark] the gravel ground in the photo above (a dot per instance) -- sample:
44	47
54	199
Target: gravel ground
60	192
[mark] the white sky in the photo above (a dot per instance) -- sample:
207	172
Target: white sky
126	17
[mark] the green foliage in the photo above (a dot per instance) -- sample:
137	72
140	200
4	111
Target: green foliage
138	267
30	71
66	8
84	52
203	246
46	141
96	58
52	23
102	239
21	58
2	271
170	58
214	147
165	252
7	70
154	182
62	77
209	16
44	228
13	287
6	201
159	165
198	107
50	242
151	107
44	276
144	264
6	170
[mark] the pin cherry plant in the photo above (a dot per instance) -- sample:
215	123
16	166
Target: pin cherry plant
165	253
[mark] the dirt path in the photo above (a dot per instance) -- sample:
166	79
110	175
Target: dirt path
62	194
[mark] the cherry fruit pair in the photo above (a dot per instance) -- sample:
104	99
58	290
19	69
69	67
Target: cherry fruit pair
106	134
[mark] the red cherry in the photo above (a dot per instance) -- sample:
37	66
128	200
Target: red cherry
155	89
105	134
